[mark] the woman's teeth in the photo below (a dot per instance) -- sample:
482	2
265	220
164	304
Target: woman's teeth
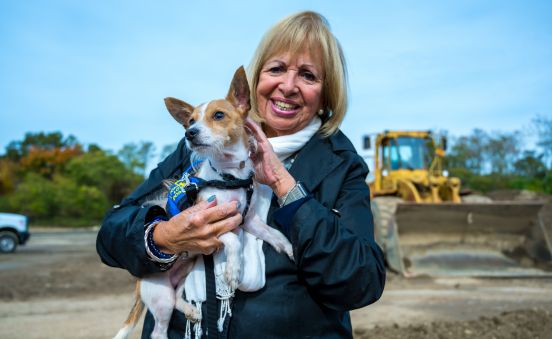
284	106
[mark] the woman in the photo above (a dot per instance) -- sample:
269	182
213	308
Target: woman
321	201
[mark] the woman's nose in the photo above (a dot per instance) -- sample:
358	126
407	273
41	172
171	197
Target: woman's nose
288	85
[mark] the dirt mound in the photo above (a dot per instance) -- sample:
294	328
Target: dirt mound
518	195
534	323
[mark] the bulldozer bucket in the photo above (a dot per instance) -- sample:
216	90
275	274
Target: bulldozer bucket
499	239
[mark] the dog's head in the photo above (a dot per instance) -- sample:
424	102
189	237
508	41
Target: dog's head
218	124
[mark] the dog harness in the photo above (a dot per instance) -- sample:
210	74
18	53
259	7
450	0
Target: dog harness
183	193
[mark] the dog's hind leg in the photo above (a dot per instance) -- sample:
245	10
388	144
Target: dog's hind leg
159	296
233	251
190	311
134	315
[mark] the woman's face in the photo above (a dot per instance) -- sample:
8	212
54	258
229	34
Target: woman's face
289	92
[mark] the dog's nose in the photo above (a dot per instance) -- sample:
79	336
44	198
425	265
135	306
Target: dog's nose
191	133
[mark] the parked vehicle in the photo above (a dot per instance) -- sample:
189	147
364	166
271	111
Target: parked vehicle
14	231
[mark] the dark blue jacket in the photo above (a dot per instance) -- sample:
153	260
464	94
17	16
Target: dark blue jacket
338	266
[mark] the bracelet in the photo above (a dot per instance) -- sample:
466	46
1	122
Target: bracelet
282	200
295	193
154	253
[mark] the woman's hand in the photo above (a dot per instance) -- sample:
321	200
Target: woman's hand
269	170
196	229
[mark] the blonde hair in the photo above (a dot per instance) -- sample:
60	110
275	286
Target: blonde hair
293	34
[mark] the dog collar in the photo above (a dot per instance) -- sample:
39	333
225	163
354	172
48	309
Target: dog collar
230	164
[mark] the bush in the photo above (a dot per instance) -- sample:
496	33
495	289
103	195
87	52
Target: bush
59	201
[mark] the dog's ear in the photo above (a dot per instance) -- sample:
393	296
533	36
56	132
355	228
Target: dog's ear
180	110
238	94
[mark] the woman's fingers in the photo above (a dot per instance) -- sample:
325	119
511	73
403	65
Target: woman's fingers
220	212
226	225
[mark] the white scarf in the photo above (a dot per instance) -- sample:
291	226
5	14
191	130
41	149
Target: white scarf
253	272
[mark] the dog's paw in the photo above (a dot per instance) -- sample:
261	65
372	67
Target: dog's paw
282	245
232	275
193	314
289	251
190	311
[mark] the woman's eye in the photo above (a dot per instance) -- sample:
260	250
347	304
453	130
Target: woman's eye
308	76
191	122
276	69
218	115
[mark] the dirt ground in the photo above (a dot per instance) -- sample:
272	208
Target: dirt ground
56	287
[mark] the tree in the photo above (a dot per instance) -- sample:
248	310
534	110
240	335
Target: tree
543	127
530	165
469	152
48	161
167	150
38	140
104	171
8	181
136	156
502	150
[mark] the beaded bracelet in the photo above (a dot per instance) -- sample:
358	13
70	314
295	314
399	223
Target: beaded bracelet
154	253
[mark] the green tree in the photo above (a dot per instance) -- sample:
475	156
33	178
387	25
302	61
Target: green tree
136	156
530	165
502	150
543	127
104	171
469	152
167	150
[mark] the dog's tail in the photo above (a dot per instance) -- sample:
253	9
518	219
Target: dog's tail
133	316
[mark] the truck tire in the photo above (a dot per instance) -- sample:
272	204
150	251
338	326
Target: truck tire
8	242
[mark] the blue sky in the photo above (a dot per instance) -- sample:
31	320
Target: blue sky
100	69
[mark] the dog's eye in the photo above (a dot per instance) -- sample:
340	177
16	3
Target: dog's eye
191	122
218	115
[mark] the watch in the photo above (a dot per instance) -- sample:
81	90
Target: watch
294	194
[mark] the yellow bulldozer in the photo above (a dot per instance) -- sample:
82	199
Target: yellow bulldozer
427	227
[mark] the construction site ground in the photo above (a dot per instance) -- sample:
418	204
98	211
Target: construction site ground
56	287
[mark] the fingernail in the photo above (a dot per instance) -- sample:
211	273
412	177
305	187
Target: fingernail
238	205
211	198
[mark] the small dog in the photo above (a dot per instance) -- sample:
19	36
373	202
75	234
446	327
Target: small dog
215	132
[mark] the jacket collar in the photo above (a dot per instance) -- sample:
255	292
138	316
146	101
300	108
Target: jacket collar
318	159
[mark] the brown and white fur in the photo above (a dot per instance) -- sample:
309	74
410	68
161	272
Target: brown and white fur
221	139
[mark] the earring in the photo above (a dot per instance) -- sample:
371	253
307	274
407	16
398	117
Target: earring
321	112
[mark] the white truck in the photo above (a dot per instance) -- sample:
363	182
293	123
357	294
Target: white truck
14	231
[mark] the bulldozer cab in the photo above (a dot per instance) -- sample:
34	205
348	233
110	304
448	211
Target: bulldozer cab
408	164
406	152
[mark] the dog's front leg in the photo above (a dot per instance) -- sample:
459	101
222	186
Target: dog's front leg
233	251
254	225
